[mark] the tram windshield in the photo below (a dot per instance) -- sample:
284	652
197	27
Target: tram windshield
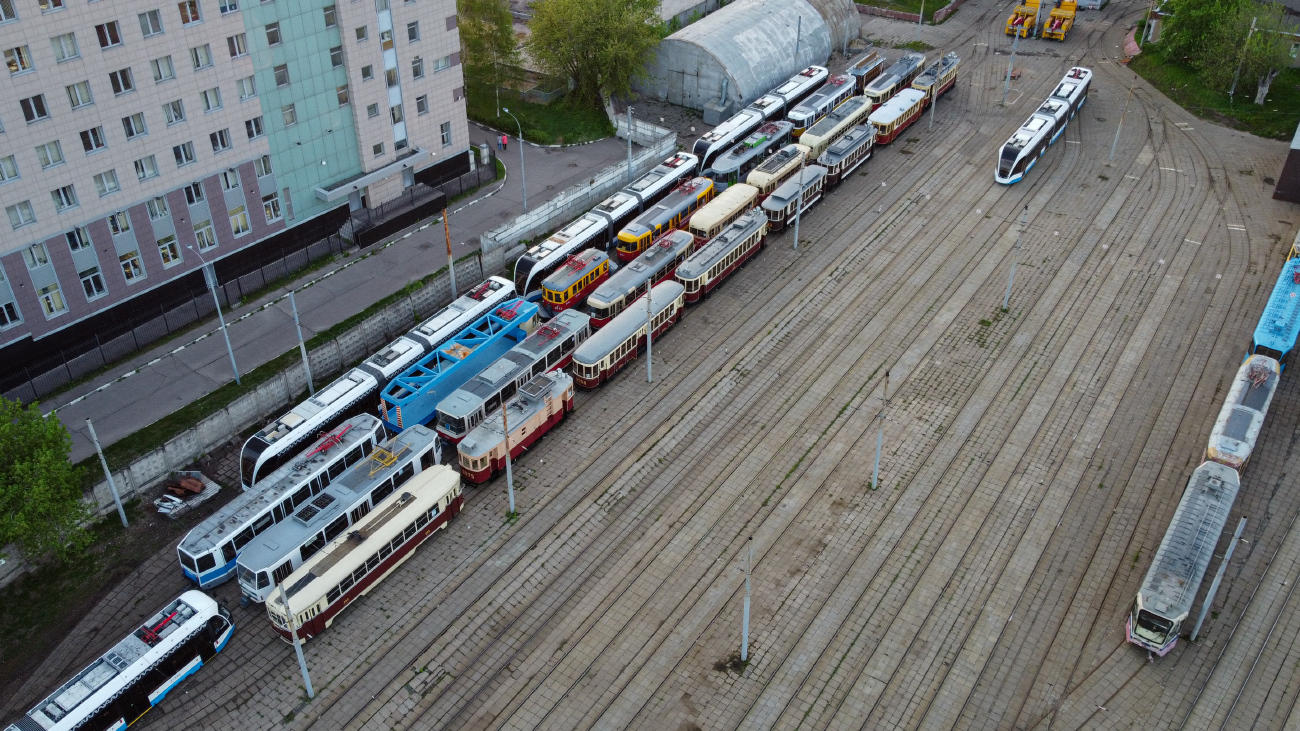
248	460
1152	628
451	424
1007	160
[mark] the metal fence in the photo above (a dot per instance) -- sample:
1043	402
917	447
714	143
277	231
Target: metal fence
367	218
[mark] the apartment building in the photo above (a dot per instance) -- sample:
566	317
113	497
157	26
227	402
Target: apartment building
139	140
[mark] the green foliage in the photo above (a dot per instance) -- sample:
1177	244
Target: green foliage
601	44
1215	39
567	121
487	38
1277	119
40	491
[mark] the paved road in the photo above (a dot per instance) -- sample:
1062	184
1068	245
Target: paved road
1033	459
178	380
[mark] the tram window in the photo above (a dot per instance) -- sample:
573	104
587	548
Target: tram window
508	391
207	562
333	530
262	523
568	344
539	367
286	507
492	403
366	447
266	469
336	469
281	572
360	512
426	459
262	580
242	538
187	561
278	512
404	475
310	548
381	492
303	494
324	478
333	595
228	551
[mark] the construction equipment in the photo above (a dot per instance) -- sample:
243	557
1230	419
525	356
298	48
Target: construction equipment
1024	19
1060	20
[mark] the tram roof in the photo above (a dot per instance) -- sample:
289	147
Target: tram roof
897	106
862	134
905	65
931	76
780	159
837	116
576	268
665	169
652	261
631	319
465	303
758	142
735	196
781	197
833	86
1279	325
670	206
519	409
270	490
1237	427
1175	575
711	253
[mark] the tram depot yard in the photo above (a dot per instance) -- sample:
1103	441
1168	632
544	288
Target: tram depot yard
1033	459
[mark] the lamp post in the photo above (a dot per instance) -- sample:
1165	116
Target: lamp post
210	276
523	177
798	200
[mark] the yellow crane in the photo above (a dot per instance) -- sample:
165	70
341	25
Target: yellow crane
1023	19
1060	20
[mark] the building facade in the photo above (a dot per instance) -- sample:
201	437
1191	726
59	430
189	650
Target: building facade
140	140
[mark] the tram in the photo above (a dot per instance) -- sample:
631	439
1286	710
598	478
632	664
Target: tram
549	348
541	404
658	263
412	396
897	114
1279	324
123	684
569	285
847	153
810	111
1043	127
721	138
704	271
735	164
351	393
671	213
612	347
273	555
1235	431
709	221
207	553
776	169
836	124
895	79
1165	598
939	78
865	69
807	187
797	88
353	564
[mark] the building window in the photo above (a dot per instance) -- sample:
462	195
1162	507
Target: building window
131	268
247	88
372	111
381	6
8	169
64	198
92	283
271	207
106	183
8	313
343	95
281	75
121	81
7	13
49	6
163	69
184	154
229	6
65	47
79	94
194	193
238	45
21	214
446	133
442	63
290	115
204	234
262	166
201	56
422	104
386	40
157	208
50	154
395	113
417	67
93	140
146	167
367	73
36	256
331	17
239	221
168	250
19	60
362	33
229	179
220	140
254	128
34	108
190	12
378	149
211	99
390	77
273	34
134	126
151	23
52	300
400	145
413	31
109	35
78	238
336	56
119	223
174	112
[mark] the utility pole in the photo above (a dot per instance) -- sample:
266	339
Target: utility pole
629	145
1242	60
744	623
210	276
919	19
1015	253
297	643
302	346
1037	9
510	476
1146	25
798	204
880	435
649	332
451	262
798	36
1218	578
1007	86
938	68
1121	118
112	486
523	177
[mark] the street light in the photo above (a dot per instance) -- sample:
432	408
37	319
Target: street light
210	276
523	177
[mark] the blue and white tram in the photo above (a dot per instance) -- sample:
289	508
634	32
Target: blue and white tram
1279	325
351	393
119	687
719	139
1044	127
797	88
208	552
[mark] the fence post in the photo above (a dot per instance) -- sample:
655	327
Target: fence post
101	349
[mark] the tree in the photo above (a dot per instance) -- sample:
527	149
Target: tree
1215	38
1190	26
601	44
40	491
487	38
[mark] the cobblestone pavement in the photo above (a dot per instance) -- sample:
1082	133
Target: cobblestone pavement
1032	461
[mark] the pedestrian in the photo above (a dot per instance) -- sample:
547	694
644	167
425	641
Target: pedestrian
498	143
505	142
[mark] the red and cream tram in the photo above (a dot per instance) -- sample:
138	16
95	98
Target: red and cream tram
847	153
812	110
897	114
716	260
575	279
775	170
806	187
541	403
611	348
939	78
669	214
895	79
658	263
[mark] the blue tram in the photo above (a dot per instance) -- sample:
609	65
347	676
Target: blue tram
1279	326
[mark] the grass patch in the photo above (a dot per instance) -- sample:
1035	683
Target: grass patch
1276	120
559	123
918	46
910	6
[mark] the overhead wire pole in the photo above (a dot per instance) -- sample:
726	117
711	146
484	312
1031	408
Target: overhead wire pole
1015	254
297	643
798	36
451	262
523	177
919	18
1236	75
649	333
302	346
112	486
629	144
210	276
744	623
1007	86
1122	114
880	435
1218	579
798	200
510	475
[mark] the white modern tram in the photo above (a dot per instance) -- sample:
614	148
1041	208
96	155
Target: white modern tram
1237	429
719	139
836	91
351	393
1043	127
775	103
